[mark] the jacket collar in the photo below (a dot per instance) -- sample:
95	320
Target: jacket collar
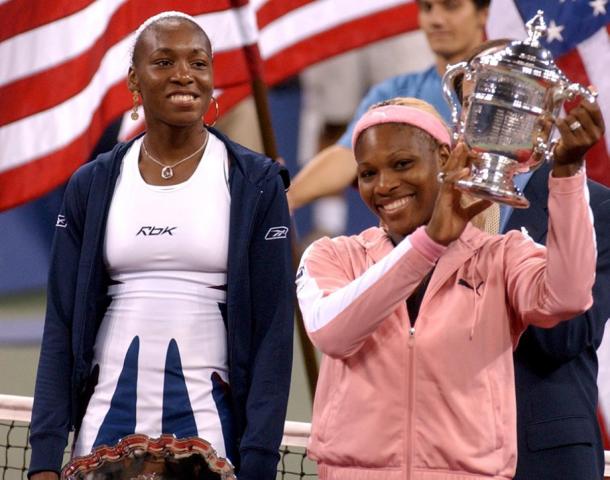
243	159
378	244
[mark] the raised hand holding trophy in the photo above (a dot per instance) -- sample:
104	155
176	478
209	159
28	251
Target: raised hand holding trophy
508	118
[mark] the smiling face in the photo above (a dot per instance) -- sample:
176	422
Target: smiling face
453	27
397	169
172	70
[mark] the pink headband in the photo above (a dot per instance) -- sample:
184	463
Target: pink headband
428	122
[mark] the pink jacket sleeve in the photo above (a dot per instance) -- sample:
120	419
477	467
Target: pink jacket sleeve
548	285
341	311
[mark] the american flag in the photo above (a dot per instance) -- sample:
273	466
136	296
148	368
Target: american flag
578	37
64	66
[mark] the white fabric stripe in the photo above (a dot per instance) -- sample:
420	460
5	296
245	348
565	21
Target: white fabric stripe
318	310
505	21
603	382
51	44
257	4
57	127
314	18
57	42
595	54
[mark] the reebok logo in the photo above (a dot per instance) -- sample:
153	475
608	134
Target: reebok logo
155	231
276	233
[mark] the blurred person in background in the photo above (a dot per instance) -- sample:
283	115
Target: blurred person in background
453	28
169	310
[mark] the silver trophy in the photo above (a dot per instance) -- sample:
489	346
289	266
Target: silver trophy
508	118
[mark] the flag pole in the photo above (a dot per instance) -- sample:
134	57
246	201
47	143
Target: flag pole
260	95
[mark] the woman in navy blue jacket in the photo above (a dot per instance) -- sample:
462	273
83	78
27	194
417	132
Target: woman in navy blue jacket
170	288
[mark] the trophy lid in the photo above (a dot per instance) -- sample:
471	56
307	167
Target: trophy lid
527	56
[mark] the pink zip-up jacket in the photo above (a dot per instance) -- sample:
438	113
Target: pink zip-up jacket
436	401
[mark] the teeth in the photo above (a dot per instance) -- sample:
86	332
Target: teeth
180	98
396	204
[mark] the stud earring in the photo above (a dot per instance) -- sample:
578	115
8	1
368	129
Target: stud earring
134	111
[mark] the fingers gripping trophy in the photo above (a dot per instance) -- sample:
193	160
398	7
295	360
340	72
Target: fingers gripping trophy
508	119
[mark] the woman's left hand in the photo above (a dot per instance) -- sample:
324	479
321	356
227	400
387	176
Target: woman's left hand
450	216
580	130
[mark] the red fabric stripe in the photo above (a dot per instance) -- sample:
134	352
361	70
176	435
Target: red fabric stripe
73	76
274	9
340	39
597	158
604	429
26	15
40	176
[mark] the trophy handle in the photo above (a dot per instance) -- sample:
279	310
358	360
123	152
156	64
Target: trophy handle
571	90
545	150
451	97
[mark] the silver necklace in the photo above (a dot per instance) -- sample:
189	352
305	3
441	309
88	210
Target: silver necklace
167	171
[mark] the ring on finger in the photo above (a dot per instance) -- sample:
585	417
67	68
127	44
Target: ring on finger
575	125
440	177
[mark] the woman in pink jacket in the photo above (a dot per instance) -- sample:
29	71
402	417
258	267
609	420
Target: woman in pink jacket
418	320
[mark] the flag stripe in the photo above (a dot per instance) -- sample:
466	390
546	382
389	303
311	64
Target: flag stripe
274	9
52	44
595	54
315	18
28	14
505	21
47	172
598	163
74	76
339	39
72	69
103	23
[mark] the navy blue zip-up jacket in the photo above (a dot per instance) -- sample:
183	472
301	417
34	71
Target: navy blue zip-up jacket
259	308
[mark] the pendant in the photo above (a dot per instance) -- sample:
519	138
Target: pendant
167	173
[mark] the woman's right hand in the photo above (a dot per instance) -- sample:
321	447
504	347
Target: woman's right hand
450	216
45	476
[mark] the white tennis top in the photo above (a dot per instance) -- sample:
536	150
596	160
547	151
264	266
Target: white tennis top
161	351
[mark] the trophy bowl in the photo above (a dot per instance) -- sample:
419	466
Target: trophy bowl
508	118
138	457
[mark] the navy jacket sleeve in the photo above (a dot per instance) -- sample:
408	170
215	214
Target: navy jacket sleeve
567	340
272	306
52	411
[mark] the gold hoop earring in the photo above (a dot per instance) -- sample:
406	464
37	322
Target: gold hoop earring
134	111
217	112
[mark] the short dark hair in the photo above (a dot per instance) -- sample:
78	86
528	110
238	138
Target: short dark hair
480	4
153	22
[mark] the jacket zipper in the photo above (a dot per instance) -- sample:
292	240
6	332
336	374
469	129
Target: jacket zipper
410	400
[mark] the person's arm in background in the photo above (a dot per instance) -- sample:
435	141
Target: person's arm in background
569	339
328	173
542	292
334	169
272	306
